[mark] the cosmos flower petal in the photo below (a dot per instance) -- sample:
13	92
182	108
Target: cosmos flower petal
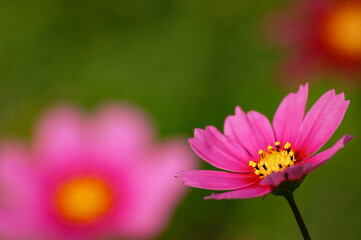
152	206
59	133
322	157
262	128
119	130
19	199
295	172
248	192
289	115
219	151
11	226
18	187
239	128
216	180
320	123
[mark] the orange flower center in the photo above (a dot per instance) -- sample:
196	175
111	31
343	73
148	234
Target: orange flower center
273	160
83	199
342	29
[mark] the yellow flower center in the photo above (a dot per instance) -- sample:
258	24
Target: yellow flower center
84	199
342	29
273	160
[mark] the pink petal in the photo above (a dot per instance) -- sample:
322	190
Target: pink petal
60	133
248	192
16	174
324	156
118	131
156	192
295	172
262	128
217	180
320	123
219	150
252	131
289	115
21	196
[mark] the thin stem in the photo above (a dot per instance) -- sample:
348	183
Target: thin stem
296	212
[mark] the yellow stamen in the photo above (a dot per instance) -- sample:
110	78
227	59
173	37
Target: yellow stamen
83	199
273	160
252	164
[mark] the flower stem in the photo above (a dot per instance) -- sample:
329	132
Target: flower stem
296	212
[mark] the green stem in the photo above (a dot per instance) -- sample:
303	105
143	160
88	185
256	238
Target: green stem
296	212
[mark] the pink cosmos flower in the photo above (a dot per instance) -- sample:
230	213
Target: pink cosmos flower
320	35
259	158
90	177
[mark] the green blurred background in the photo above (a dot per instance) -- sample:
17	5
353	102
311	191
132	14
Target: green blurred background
188	63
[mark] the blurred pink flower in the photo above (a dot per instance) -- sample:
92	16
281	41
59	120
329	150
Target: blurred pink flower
320	35
90	178
260	157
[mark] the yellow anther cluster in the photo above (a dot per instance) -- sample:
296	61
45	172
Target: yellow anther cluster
273	160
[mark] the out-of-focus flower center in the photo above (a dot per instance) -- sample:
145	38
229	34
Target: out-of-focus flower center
84	199
273	160
342	29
